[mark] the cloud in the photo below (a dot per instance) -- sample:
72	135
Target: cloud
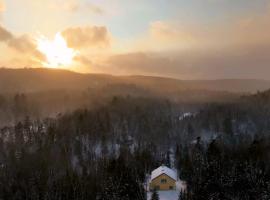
236	48
5	35
239	48
245	30
165	35
83	60
87	37
23	44
195	64
80	38
252	30
146	64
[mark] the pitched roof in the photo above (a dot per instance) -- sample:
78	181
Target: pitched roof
163	170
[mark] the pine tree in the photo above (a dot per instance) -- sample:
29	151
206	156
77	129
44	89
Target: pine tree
182	195
227	124
155	195
168	159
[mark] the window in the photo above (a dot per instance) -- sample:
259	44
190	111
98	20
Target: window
163	181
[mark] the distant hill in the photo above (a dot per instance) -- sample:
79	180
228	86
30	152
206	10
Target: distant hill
260	99
41	79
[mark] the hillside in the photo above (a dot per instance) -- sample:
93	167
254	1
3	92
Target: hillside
41	79
222	151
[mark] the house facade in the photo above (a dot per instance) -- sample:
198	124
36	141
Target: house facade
163	178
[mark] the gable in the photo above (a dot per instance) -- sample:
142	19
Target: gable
161	176
163	170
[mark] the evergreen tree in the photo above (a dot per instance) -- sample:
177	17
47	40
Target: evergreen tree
155	195
227	125
168	159
182	195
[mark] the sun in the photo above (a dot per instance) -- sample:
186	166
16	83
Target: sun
56	51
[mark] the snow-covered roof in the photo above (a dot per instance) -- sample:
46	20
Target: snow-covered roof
163	170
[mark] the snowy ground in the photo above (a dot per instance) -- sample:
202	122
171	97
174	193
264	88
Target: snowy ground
165	195
171	194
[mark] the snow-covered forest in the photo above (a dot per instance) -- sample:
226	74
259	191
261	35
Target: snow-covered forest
221	150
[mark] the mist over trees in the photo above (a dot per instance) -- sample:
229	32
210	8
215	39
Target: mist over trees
106	152
103	143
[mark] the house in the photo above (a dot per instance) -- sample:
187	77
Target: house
163	178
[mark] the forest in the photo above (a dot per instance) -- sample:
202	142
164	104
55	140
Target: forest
105	151
134	100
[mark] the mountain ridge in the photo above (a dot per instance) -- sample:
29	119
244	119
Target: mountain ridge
40	79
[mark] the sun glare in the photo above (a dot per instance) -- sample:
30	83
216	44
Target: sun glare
57	53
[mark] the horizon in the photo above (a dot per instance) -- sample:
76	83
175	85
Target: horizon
131	75
187	40
96	95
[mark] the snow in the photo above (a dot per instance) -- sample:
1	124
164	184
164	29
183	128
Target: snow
186	115
165	195
170	194
163	170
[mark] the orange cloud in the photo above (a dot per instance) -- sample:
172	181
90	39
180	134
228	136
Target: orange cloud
23	44
5	35
83	60
239	48
86	37
241	31
164	36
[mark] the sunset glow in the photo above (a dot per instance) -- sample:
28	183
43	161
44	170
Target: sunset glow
135	100
57	52
183	39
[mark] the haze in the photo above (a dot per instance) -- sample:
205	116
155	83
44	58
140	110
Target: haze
185	39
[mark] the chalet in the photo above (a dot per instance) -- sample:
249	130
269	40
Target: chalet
163	178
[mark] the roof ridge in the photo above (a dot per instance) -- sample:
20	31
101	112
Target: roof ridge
163	170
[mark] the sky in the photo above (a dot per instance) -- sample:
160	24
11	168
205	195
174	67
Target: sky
184	39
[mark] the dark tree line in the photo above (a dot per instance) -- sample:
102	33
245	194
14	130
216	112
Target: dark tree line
235	163
88	154
105	152
220	172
